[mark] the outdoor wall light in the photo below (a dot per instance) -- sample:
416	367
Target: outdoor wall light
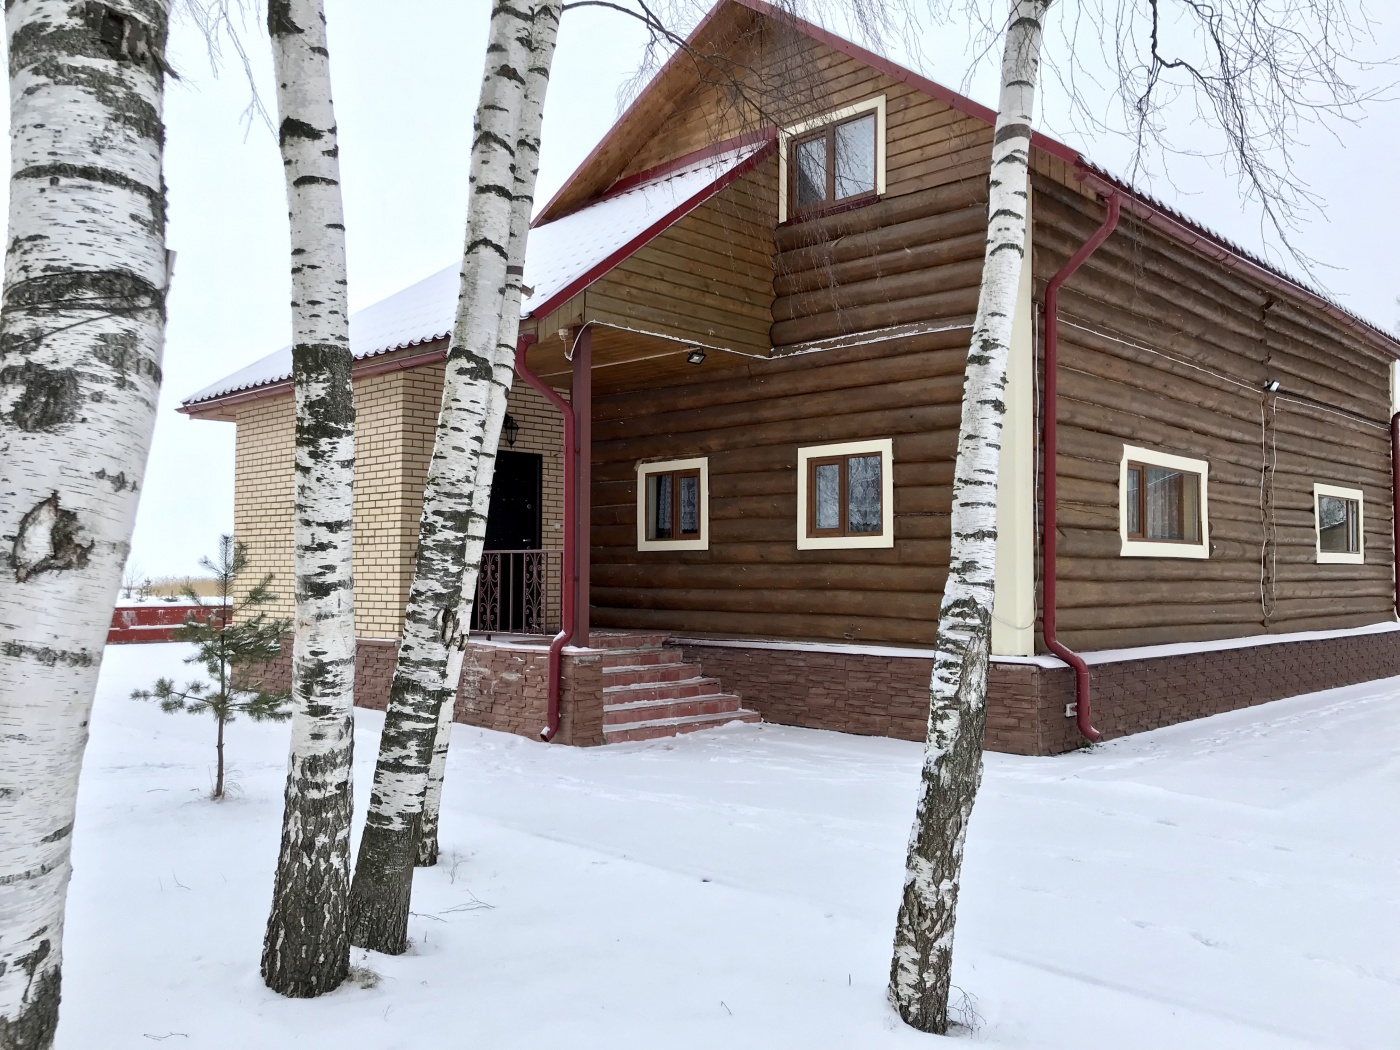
696	356
1271	386
510	428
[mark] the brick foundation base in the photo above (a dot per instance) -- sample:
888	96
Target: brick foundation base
503	687
888	696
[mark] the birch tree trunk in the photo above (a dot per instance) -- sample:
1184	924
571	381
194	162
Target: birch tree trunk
952	769
527	166
306	949
384	870
81	331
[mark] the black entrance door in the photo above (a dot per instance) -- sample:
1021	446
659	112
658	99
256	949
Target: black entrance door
514	521
510	593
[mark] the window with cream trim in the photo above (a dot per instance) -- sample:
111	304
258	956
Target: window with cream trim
1339	525
835	159
845	495
1163	510
673	505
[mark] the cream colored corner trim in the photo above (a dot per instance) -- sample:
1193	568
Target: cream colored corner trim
1152	548
885	447
786	135
661	467
1336	557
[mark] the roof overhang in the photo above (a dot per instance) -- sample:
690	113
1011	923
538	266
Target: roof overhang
562	259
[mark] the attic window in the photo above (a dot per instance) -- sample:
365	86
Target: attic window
834	164
834	160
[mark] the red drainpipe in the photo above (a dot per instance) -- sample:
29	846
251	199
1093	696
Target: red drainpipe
1395	502
566	601
1048	537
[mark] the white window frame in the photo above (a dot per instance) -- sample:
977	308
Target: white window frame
1337	557
664	466
786	135
885	537
1157	548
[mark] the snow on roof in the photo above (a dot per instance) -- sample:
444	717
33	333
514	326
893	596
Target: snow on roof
562	258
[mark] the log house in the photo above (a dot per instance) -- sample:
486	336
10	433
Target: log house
756	295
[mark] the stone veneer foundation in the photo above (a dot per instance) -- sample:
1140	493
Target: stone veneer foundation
505	686
877	694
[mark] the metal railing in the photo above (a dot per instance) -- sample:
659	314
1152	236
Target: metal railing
517	592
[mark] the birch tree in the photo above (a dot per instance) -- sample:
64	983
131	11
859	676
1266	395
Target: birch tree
527	167
82	327
952	767
388	848
306	949
1256	79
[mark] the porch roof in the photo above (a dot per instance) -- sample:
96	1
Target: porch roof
562	258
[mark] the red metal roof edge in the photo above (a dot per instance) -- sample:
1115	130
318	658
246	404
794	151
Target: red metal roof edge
769	134
1190	233
636	243
661	73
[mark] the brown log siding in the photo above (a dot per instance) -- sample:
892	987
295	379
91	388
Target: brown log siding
1217	339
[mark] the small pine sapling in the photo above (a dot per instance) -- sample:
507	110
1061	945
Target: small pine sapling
230	637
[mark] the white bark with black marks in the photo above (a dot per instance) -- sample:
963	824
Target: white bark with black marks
82	328
384	870
527	166
306	948
921	969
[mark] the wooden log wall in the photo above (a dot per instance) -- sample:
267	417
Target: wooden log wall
1162	349
778	78
749	421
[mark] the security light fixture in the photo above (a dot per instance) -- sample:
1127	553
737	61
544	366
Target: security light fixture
510	428
696	356
1271	386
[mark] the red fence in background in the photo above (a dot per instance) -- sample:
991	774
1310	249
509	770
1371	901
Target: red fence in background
155	621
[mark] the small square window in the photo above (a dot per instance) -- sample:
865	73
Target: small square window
1162	505
833	160
1338	516
844	495
672	505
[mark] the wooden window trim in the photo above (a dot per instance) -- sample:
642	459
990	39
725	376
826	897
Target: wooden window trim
843	497
677	469
830	202
1141	470
1134	545
1357	557
875	106
811	538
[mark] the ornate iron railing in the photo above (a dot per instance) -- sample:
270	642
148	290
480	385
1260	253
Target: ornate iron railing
517	592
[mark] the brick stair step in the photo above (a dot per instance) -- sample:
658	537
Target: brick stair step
639	657
681	707
664	727
625	640
624	694
649	673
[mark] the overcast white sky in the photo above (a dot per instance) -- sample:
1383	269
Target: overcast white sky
406	77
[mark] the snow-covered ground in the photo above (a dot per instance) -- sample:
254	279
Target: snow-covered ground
1230	883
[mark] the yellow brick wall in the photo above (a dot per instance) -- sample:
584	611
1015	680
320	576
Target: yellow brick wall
396	414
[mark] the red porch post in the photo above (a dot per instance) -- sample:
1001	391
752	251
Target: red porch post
582	402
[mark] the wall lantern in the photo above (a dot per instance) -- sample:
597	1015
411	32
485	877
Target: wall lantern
510	428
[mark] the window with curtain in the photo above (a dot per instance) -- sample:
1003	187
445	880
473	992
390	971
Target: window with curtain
673	505
1163	504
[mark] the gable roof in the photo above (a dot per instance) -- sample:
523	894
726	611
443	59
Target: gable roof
596	220
728	18
562	258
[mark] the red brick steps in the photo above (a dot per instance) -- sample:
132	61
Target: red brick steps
650	692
